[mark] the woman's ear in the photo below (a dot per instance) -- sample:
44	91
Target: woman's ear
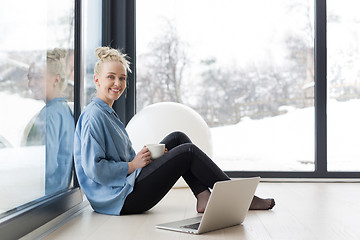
96	80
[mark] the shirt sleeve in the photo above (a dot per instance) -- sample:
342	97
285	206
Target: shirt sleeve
108	172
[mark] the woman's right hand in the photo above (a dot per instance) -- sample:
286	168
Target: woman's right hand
142	159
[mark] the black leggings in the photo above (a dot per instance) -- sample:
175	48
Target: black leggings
183	159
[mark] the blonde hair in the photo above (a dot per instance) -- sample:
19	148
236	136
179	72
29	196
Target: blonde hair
107	54
55	64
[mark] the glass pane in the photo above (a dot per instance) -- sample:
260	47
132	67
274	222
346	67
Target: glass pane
246	66
92	40
343	44
36	99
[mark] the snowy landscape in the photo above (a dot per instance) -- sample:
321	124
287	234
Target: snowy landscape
286	142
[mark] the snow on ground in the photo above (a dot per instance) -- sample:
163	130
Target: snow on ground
21	168
344	136
278	143
286	142
16	112
22	175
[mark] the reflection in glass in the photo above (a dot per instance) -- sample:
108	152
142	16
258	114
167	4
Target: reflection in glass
35	125
54	126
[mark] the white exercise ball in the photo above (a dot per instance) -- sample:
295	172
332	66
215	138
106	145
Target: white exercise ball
153	123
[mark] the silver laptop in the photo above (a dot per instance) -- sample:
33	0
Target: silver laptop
228	205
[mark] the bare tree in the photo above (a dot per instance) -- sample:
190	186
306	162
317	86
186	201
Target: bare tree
300	58
161	71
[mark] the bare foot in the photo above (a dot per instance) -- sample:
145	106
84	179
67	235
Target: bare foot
202	199
262	204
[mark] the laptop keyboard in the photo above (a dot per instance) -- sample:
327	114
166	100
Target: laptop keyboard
194	226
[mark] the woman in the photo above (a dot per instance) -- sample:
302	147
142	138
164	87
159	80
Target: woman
114	178
54	127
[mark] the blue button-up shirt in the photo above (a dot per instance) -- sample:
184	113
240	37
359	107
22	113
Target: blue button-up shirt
102	150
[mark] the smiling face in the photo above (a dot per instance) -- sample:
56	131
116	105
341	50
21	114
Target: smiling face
110	82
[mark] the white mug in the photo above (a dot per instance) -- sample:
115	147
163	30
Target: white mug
156	150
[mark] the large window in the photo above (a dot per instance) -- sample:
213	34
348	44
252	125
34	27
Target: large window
343	20
36	95
246	66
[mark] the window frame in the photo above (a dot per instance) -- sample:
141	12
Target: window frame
123	37
320	120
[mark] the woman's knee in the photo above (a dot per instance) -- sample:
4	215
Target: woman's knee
181	136
188	148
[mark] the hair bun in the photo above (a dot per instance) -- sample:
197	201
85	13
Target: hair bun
102	52
107	53
56	54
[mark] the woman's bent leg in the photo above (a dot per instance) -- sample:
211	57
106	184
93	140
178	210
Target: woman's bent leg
156	179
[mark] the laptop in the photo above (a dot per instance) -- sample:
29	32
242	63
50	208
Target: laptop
228	205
